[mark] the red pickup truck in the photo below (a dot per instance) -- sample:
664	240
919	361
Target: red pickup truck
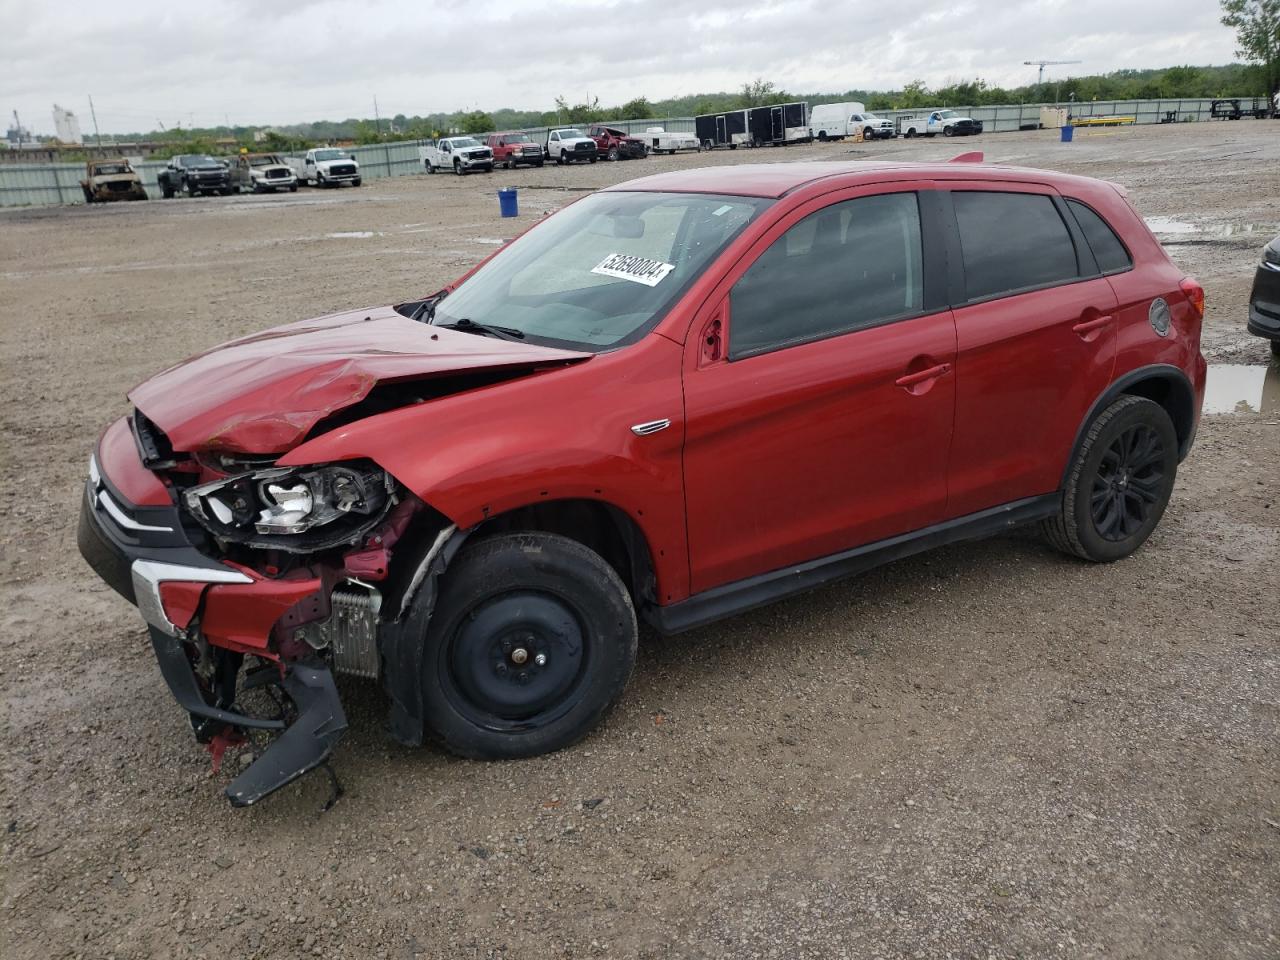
512	149
614	144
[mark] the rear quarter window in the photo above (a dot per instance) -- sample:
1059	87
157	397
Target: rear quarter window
1107	247
1011	242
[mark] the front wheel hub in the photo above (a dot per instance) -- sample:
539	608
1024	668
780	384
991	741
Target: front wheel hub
517	656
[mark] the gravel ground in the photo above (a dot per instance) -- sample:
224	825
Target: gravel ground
988	751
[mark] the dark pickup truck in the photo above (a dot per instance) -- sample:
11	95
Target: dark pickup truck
196	174
614	144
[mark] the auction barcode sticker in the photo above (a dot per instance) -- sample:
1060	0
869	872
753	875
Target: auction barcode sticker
624	266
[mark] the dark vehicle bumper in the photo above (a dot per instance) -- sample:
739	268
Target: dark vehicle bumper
967	129
529	158
135	563
628	151
209	183
1264	303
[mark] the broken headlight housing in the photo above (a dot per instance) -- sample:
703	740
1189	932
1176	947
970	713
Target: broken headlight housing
296	509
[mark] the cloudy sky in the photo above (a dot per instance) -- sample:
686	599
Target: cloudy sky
285	61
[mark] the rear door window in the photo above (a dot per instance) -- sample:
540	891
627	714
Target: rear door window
1107	249
1011	242
851	265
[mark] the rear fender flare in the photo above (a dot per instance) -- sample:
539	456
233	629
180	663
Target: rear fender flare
1181	397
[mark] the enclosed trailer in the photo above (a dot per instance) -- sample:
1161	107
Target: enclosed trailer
780	123
723	129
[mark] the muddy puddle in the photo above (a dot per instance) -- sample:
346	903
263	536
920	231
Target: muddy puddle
1242	388
1172	231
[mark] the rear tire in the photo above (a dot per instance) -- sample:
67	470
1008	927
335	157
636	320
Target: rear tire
1119	483
506	603
1275	349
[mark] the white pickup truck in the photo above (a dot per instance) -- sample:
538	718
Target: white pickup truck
949	123
459	154
568	144
326	167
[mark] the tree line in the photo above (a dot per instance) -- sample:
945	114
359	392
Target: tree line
1232	80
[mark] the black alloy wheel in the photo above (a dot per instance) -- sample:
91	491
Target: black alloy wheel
1127	483
1118	483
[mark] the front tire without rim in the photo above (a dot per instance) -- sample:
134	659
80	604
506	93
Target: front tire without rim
1119	483
531	643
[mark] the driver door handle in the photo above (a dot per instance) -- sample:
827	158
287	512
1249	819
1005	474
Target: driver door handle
920	376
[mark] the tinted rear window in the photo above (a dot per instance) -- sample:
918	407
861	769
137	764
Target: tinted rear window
1012	241
1106	246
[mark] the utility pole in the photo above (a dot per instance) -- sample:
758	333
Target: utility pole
1046	63
17	126
94	113
377	120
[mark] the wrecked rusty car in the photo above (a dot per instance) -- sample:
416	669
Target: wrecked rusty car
675	400
114	179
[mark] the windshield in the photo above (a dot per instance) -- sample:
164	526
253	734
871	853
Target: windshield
567	134
109	168
267	160
601	273
518	138
465	142
198	161
947	114
330	155
870	116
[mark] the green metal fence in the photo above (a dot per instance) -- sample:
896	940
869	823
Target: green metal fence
26	184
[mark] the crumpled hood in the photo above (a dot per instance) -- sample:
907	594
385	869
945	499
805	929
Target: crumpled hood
264	393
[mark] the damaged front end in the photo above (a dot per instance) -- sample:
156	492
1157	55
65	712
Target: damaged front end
258	584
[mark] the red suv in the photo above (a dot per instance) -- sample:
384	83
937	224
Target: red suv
675	400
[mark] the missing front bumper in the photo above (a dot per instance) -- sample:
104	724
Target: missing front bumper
298	749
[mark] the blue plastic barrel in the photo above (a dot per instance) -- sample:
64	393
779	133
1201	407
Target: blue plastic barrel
1068	131
507	202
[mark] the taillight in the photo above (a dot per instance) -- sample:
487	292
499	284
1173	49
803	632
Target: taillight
1195	295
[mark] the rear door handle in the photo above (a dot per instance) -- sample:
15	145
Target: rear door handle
1088	326
920	376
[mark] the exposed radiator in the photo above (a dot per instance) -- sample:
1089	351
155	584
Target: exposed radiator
351	631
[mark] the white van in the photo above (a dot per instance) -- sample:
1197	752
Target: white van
834	121
830	121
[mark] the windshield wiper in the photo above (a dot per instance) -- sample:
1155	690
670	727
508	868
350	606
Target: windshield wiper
484	329
426	310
